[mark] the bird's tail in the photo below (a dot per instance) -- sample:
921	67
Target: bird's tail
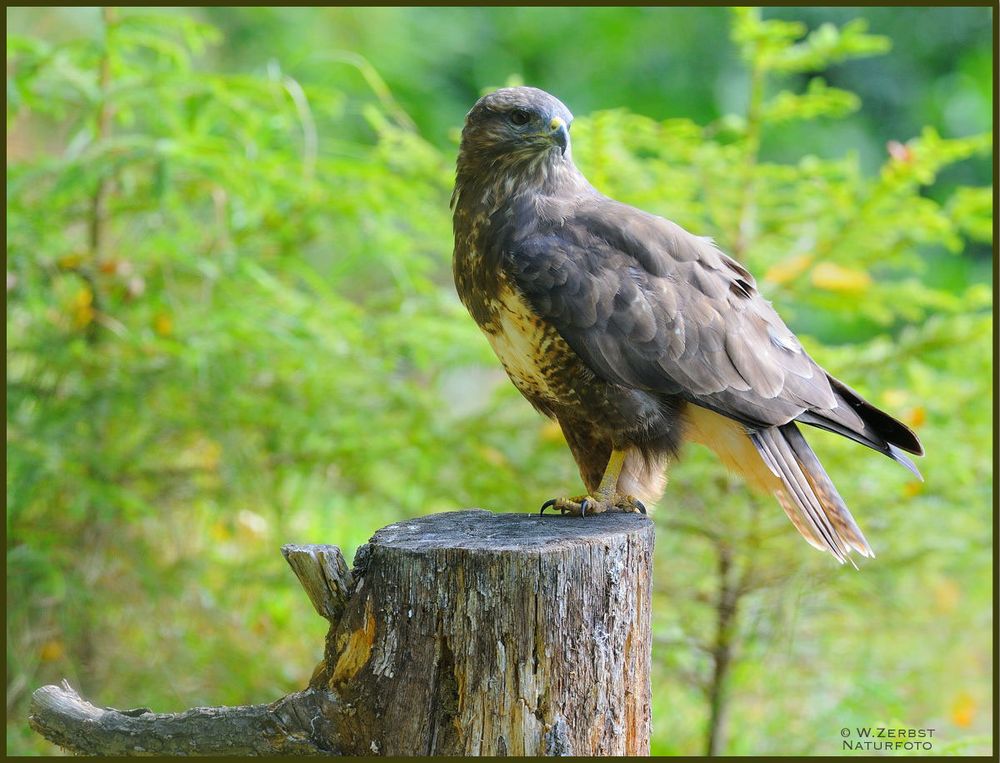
806	493
779	461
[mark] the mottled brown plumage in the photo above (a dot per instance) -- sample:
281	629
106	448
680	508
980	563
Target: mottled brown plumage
635	334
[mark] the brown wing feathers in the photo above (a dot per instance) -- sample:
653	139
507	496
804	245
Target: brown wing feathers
649	306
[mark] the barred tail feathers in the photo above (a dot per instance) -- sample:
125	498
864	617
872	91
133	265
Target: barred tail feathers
807	495
778	461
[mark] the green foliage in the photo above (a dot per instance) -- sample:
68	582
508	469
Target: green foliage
251	348
231	325
825	237
783	46
819	100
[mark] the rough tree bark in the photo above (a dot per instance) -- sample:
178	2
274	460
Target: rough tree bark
463	633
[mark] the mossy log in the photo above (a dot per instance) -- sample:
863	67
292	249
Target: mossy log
463	633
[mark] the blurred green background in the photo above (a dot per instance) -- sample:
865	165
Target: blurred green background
231	325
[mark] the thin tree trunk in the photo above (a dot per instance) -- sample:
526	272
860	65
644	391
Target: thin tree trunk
722	652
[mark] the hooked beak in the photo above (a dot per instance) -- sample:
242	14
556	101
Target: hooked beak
559	133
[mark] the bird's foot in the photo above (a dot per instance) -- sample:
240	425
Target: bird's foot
629	503
581	506
577	506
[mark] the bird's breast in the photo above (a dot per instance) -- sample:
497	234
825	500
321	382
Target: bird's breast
535	356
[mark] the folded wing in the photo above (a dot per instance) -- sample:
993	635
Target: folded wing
648	305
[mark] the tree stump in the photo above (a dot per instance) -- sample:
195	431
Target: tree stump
463	633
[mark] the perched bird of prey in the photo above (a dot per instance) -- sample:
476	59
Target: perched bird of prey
636	335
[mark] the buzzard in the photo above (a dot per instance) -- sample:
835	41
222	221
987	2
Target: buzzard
636	335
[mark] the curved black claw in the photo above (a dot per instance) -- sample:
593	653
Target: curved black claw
547	504
583	507
639	504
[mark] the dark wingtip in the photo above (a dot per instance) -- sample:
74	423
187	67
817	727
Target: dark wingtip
904	437
890	429
896	434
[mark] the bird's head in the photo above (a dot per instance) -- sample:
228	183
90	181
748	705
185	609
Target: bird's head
518	127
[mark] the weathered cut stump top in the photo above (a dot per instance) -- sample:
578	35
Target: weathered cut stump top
473	633
481	530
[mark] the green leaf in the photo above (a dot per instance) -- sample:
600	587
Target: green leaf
819	100
971	208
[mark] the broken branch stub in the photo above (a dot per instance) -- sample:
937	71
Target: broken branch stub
324	575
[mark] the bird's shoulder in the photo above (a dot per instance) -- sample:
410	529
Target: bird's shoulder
593	245
602	234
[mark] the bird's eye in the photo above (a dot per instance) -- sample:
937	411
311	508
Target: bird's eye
520	117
